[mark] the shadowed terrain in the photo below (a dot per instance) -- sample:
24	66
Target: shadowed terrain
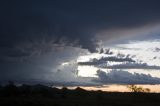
40	95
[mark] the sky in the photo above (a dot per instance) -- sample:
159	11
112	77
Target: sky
80	42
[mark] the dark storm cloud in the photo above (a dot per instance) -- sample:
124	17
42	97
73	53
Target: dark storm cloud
35	29
124	77
40	67
76	20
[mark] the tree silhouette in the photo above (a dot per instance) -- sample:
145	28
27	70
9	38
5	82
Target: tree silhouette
134	88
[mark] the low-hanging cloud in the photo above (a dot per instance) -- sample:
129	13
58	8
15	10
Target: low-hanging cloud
124	77
133	66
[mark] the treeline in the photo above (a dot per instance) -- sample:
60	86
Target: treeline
40	95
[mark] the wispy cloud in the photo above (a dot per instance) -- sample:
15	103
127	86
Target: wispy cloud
105	60
132	66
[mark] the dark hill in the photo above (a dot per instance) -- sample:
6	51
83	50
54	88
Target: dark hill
40	95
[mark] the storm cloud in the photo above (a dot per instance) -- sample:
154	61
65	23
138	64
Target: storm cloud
73	20
36	36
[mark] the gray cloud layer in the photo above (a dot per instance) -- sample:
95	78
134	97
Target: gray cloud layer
124	77
104	60
122	61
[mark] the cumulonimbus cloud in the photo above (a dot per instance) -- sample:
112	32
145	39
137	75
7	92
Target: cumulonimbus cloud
34	29
80	20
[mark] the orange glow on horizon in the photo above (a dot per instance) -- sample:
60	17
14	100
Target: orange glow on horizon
117	88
